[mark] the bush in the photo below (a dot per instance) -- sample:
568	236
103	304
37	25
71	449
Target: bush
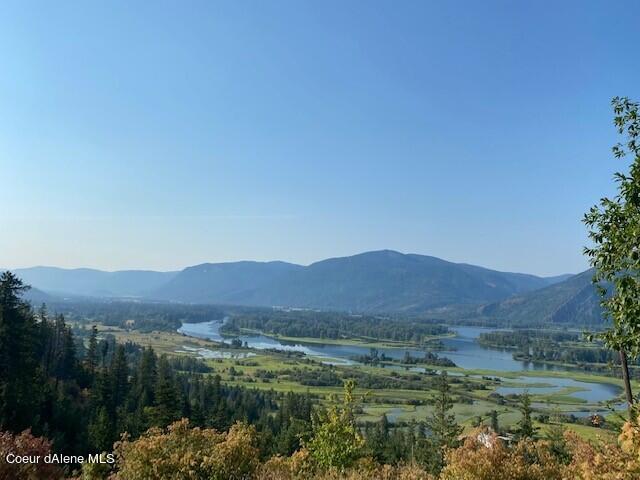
26	444
188	453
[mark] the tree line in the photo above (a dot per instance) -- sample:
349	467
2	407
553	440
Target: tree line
331	325
142	316
83	397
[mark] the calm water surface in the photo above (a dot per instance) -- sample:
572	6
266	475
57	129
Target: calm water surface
463	349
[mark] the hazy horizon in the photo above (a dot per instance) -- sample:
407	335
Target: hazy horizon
177	269
163	136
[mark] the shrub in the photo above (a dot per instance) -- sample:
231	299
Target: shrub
25	444
188	453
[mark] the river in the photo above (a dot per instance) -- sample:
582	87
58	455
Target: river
463	349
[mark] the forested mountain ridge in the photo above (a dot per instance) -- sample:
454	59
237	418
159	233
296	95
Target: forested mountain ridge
574	301
389	281
379	281
227	283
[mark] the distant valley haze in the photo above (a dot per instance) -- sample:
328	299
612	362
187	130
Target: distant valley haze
383	281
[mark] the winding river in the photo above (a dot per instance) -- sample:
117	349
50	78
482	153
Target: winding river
463	349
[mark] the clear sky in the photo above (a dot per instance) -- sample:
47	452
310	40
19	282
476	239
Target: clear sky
164	134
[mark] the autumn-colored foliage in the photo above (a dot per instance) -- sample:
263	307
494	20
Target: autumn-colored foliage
181	452
605	461
25	444
527	460
298	467
489	458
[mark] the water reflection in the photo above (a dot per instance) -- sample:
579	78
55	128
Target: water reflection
463	349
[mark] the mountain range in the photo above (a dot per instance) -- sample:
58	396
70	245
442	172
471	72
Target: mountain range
379	281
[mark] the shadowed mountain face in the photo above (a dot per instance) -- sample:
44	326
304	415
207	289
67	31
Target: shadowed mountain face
573	301
228	283
372	281
381	281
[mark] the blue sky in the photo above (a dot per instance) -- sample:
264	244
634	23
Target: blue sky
176	133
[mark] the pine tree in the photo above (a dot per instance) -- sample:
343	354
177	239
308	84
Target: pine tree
91	359
442	423
119	376
102	431
558	444
68	362
167	405
145	379
378	439
525	428
20	387
495	426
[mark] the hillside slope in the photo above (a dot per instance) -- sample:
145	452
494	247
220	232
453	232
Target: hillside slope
573	301
379	281
226	283
373	281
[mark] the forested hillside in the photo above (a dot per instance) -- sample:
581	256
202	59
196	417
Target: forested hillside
571	302
380	281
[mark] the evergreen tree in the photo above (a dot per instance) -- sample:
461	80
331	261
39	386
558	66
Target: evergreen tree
119	376
101	431
525	428
495	426
442	423
377	439
558	444
20	387
91	359
68	360
167	406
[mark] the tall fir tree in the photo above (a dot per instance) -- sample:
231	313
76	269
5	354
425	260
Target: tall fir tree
91	359
495	425
119	376
20	387
442	423
167	406
525	428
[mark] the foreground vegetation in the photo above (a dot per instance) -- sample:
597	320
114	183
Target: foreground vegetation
336	449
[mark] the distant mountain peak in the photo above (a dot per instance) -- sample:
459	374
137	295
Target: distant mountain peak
379	280
374	281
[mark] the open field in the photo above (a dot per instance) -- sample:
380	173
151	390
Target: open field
268	370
